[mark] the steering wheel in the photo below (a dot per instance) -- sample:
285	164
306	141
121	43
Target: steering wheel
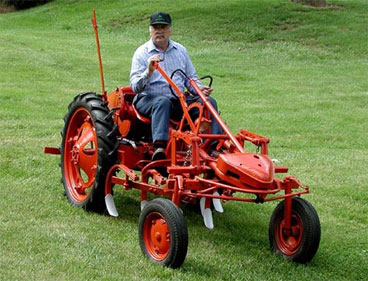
209	77
186	76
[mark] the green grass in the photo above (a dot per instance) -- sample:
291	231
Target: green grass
295	74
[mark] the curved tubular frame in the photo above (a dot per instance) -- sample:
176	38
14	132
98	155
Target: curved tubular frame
186	183
206	104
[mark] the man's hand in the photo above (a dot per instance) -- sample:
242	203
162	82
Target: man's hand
151	61
206	90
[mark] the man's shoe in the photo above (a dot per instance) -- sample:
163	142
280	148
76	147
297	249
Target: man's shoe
216	153
159	154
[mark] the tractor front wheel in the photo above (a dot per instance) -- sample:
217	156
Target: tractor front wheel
88	150
300	242
163	233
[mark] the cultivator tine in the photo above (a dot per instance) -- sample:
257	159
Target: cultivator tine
110	205
217	203
206	214
143	203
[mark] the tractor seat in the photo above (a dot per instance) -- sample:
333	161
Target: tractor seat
127	90
140	117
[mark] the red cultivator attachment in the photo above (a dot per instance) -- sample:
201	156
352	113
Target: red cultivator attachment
106	142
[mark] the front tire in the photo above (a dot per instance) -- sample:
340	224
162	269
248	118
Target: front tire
163	233
88	150
301	242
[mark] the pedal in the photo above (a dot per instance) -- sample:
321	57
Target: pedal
206	213
110	205
217	203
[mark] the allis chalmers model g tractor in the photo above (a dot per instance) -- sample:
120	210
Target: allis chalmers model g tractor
106	143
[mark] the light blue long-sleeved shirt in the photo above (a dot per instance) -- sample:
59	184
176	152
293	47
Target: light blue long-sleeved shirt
175	57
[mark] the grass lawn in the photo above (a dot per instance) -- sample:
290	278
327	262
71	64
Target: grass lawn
296	74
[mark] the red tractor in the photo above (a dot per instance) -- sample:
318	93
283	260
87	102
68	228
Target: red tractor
106	142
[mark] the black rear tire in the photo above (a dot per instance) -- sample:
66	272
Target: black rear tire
88	150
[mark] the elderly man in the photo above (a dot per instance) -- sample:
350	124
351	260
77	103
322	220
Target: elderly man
155	100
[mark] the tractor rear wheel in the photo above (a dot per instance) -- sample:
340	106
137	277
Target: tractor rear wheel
163	233
299	243
88	150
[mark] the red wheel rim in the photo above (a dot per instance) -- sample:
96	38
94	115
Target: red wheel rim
156	235
80	154
289	240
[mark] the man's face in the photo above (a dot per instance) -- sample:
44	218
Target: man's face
160	34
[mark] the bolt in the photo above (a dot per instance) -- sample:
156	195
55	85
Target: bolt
157	251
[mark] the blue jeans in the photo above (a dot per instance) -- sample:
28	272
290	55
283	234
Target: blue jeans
160	109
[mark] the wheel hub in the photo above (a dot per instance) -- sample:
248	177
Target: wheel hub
157	236
75	154
289	239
